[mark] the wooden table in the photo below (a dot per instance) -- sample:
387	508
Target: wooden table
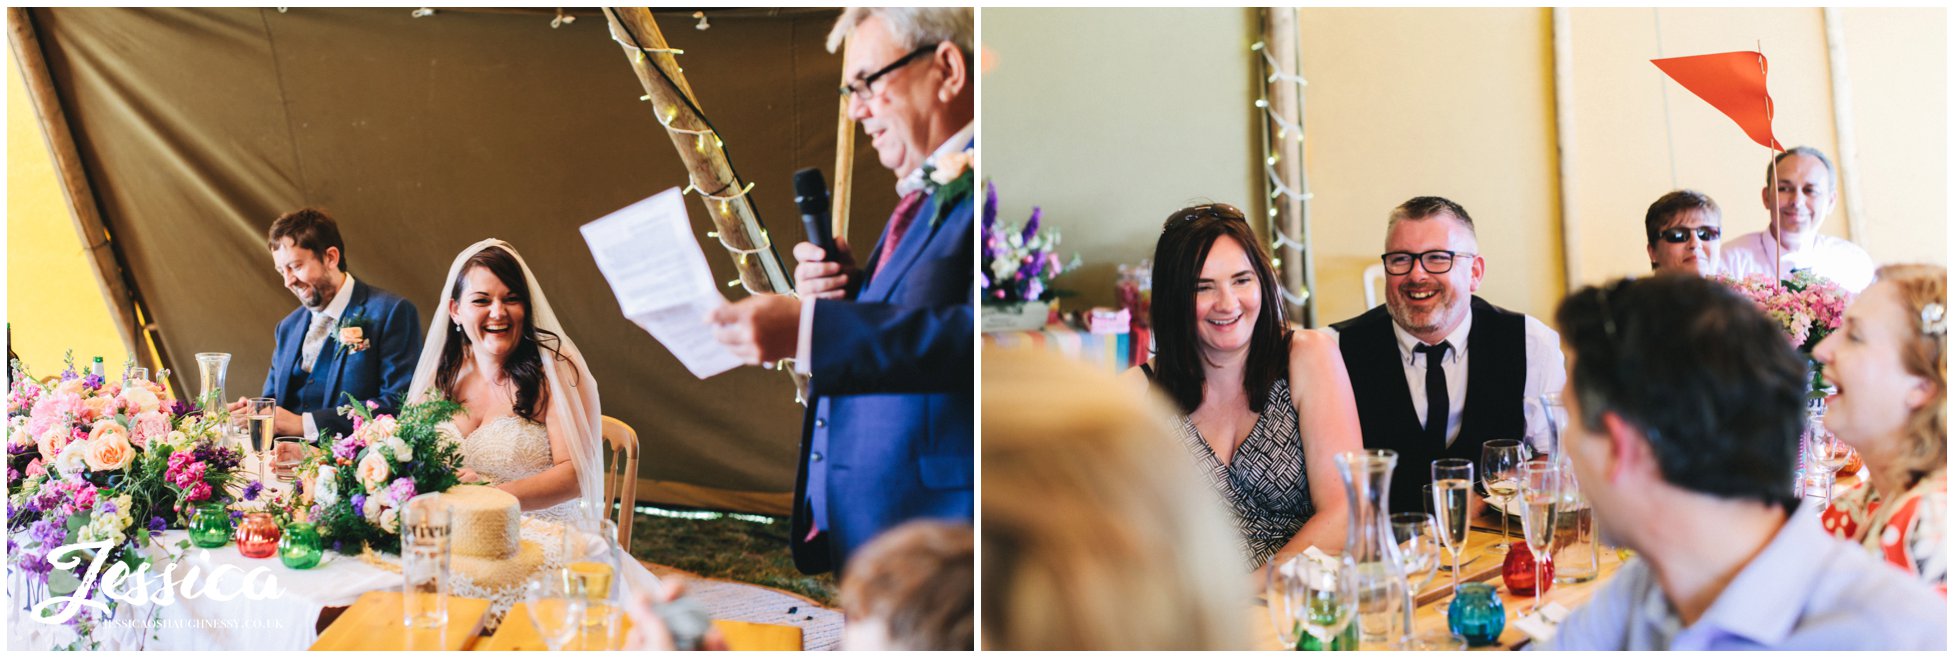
373	623
518	634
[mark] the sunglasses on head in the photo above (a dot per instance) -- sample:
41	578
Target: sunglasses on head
1680	235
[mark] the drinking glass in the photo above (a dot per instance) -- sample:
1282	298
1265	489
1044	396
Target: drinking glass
591	560
426	526
135	374
286	454
1499	470
556	606
1318	597
1452	502
1541	498
1826	454
257	430
1418	550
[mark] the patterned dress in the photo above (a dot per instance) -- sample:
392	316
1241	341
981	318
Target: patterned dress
1910	533
1265	484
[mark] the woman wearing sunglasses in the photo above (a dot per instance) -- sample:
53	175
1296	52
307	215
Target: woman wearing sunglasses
1263	406
1685	233
1888	362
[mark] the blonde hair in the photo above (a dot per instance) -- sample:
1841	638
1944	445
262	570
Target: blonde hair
919	579
1922	354
1099	532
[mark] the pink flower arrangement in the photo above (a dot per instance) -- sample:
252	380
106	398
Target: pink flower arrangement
1807	306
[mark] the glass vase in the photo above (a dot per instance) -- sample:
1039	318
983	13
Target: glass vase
299	546
210	377
1370	549
210	526
1517	571
257	536
1477	614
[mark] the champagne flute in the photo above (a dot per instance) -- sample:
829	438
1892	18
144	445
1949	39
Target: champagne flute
1541	486
1451	500
1499	468
1826	454
556	606
1418	549
258	430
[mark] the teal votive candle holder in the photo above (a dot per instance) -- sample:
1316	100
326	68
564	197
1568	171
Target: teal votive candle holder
299	547
1477	614
210	525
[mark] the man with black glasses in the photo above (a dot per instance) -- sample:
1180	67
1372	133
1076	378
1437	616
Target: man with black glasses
1685	233
1685	409
1437	371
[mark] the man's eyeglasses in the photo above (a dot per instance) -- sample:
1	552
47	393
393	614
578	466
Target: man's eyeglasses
1680	234
1437	261
862	89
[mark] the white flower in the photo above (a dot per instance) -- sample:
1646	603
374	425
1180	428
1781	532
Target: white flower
401	451
372	509
373	471
73	460
325	488
390	519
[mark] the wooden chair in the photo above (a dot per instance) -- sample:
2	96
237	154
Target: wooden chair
621	476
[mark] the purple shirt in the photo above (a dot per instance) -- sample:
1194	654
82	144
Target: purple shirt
1806	590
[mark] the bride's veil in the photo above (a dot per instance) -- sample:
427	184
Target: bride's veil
573	391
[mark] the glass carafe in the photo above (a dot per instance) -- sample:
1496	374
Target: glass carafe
1371	550
210	377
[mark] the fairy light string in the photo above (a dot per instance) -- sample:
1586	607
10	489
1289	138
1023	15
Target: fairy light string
1286	130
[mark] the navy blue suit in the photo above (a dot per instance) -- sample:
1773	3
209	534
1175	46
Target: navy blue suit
890	420
379	373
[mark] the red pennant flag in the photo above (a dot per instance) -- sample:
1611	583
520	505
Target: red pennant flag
1731	82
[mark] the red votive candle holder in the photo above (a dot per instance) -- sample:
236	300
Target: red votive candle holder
257	536
1517	571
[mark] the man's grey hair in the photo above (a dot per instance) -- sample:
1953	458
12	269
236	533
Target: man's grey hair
911	26
1831	175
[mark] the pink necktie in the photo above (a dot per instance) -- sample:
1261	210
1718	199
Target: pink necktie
898	225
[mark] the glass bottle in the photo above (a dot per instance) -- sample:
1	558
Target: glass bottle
1370	549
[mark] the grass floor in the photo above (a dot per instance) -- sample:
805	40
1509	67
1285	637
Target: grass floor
746	548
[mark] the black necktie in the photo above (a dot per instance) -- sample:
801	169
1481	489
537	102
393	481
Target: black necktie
1438	406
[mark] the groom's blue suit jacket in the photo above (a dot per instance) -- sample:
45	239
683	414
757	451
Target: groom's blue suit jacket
890	419
379	373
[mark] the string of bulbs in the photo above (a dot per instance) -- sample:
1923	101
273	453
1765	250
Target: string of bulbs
1277	189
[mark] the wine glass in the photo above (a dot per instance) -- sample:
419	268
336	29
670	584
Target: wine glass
1418	550
1826	454
1541	485
1499	469
556	606
1451	501
591	557
258	430
1317	597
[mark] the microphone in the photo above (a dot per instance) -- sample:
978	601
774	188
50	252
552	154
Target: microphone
811	194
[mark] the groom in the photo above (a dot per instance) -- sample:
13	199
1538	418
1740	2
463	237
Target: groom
346	337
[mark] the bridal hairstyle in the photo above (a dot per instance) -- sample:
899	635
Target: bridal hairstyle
1091	539
1183	248
1922	353
525	365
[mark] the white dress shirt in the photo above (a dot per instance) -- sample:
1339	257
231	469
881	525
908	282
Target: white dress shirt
1546	370
1829	257
804	347
334	311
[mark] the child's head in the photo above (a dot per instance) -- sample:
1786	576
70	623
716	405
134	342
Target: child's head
913	588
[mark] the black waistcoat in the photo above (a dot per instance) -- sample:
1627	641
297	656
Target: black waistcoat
1495	384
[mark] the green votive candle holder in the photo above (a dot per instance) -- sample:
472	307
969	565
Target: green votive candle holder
299	547
210	525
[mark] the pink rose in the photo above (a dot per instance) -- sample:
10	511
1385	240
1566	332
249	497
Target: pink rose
150	426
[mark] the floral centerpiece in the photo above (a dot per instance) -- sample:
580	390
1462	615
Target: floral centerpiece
1019	262
1807	306
357	487
107	463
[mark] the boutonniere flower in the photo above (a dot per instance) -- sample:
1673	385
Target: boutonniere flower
947	179
351	334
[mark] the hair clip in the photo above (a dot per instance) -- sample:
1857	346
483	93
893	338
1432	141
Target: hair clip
1933	319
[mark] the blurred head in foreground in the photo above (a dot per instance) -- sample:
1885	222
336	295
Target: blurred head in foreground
912	589
1097	534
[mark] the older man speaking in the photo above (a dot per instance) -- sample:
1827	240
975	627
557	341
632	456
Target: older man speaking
889	430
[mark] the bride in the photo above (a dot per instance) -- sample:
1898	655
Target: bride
530	423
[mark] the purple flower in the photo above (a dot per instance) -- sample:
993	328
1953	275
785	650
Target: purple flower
237	514
108	507
401	489
49	533
359	501
252	490
92	381
1031	225
182	408
157	524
